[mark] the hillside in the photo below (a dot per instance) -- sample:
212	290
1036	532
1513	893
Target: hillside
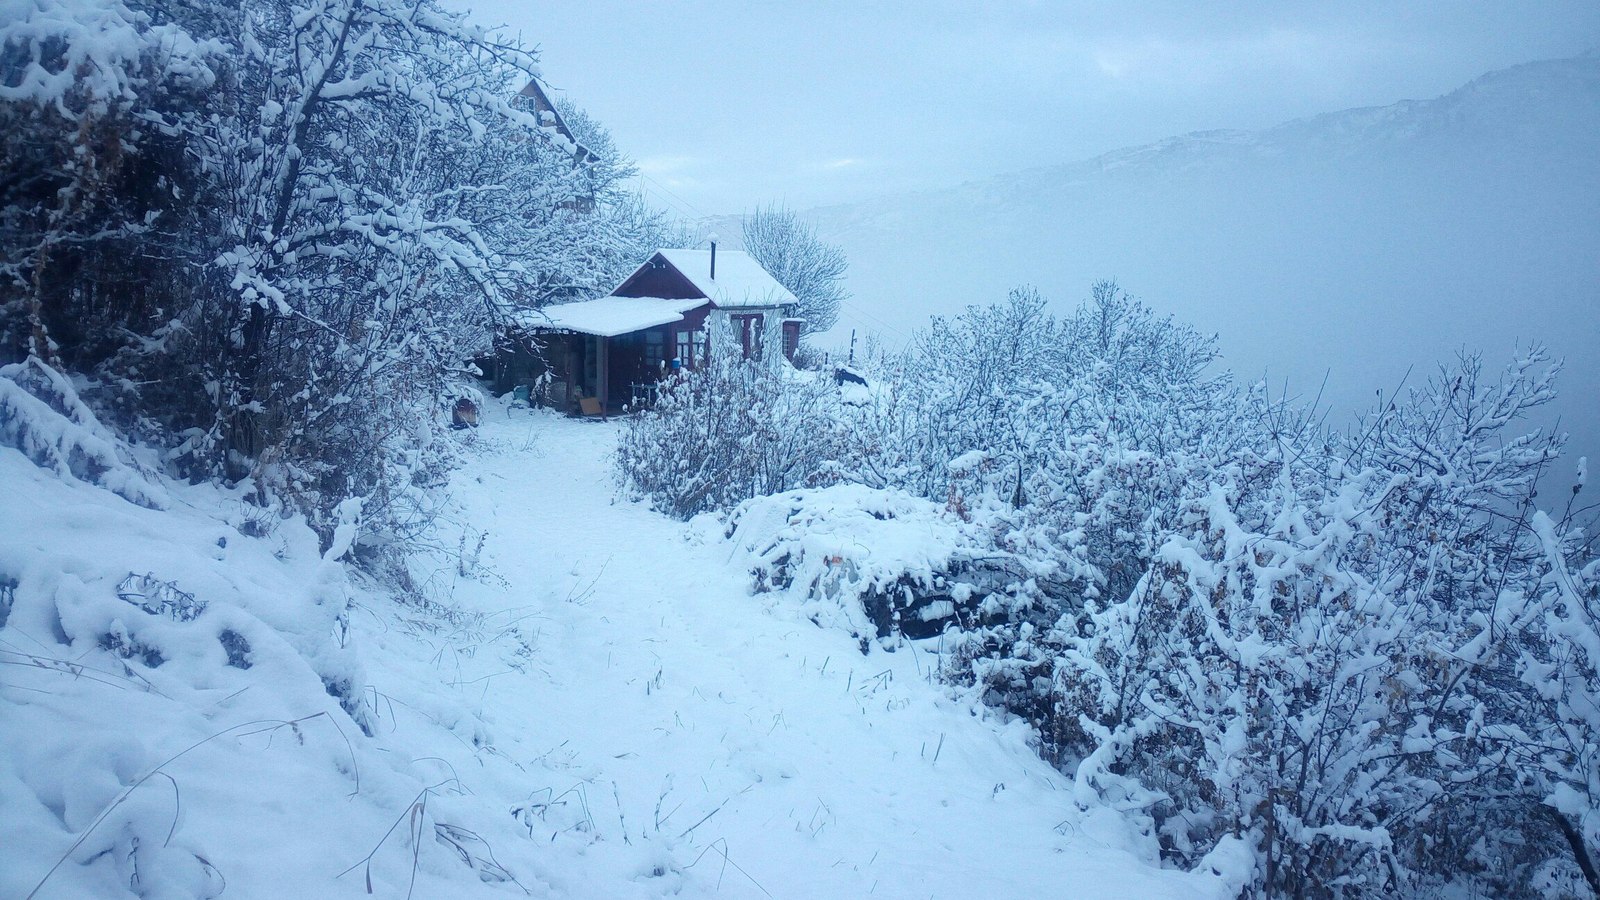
1042	605
1351	245
599	708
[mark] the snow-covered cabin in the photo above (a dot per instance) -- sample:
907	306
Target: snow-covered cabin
613	350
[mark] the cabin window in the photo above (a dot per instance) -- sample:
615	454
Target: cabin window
691	348
791	339
749	328
654	349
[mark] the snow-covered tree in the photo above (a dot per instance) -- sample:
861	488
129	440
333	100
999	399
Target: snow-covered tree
87	187
812	269
273	231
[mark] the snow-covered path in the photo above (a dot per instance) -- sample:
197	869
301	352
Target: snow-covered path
700	720
600	709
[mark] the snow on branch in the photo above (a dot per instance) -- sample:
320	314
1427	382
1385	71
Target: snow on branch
42	415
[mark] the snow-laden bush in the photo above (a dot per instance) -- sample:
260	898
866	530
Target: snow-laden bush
1076	429
735	429
1557	747
42	415
875	562
1318	658
1333	664
1075	437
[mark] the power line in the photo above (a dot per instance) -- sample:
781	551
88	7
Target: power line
858	311
684	206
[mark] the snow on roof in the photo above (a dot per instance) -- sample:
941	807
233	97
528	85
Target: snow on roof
740	281
609	316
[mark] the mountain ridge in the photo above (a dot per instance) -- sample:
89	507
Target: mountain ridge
1351	124
1353	246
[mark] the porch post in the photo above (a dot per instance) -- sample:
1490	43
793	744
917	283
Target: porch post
603	374
574	373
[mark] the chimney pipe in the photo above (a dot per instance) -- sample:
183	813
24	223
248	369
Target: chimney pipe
713	257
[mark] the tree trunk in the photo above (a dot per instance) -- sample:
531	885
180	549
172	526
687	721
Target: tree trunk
1580	852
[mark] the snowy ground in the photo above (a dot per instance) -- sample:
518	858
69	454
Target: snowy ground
606	712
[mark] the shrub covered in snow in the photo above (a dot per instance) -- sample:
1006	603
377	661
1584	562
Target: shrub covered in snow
734	429
1322	657
1319	655
1334	664
876	562
42	415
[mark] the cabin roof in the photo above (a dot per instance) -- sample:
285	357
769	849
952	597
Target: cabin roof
610	316
547	114
740	281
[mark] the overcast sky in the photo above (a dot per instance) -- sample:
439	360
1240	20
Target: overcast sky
727	104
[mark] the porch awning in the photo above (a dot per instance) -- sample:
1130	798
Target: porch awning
609	316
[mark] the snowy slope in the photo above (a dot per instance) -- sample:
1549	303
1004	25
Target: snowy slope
601	709
1353	245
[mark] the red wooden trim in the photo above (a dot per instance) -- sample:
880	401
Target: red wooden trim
791	340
